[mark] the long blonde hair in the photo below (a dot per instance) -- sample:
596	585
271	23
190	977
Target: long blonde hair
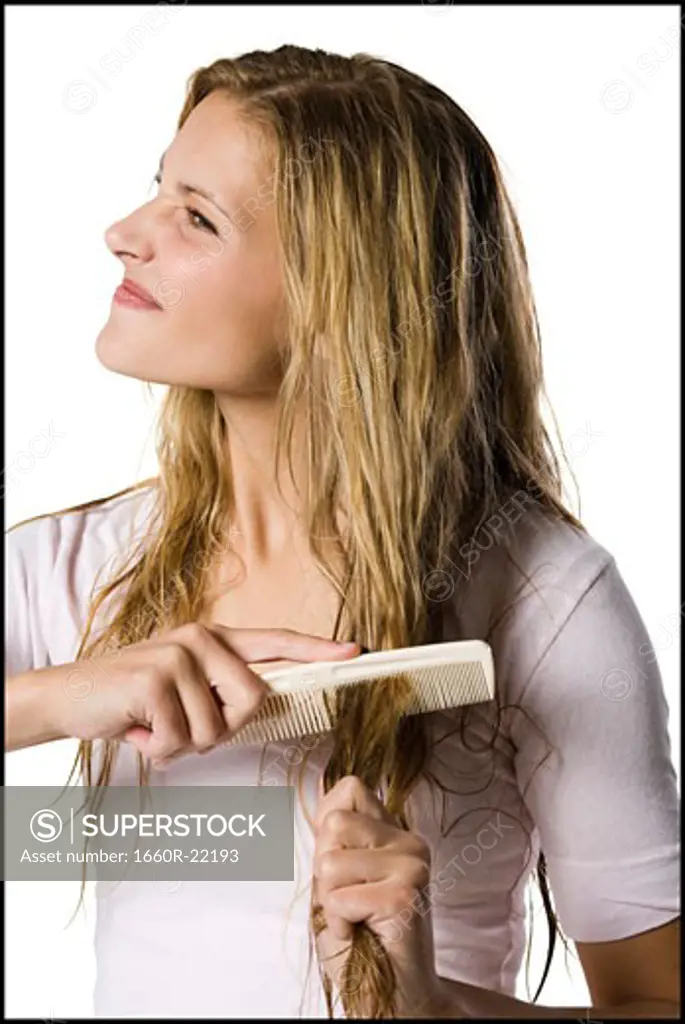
414	351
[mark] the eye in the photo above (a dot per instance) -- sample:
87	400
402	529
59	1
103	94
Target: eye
199	222
204	223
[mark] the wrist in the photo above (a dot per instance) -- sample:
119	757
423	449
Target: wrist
32	701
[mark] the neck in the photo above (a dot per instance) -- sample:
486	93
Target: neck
267	522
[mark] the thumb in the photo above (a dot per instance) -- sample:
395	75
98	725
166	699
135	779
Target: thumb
139	737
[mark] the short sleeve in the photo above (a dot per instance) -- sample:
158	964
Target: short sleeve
29	560
605	801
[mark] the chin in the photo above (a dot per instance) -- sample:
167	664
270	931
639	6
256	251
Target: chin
112	353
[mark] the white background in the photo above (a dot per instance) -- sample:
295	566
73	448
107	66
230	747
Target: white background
580	103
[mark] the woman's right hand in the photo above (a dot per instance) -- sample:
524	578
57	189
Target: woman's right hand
156	694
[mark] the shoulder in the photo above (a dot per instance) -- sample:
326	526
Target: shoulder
55	562
521	579
92	529
589	723
587	716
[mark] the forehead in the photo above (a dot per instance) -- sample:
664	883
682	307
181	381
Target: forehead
218	151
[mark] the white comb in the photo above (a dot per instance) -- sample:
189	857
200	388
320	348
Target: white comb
443	675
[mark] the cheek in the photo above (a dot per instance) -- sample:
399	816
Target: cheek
186	269
224	325
232	295
222	322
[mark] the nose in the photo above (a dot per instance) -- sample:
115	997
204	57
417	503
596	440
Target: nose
129	240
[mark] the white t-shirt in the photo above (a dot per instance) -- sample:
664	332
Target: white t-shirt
603	806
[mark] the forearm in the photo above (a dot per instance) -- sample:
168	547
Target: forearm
29	702
460	1000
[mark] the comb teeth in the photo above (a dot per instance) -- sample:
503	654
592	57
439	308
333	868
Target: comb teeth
303	712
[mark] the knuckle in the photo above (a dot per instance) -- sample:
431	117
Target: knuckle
352	785
403	896
192	632
250	695
154	679
420	847
209	739
418	873
257	695
177	657
329	901
325	865
171	747
336	820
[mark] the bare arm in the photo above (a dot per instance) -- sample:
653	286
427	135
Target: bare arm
634	977
29	702
182	692
462	1001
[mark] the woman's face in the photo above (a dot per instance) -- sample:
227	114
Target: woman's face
211	264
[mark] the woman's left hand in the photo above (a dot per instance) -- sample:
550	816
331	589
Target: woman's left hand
366	868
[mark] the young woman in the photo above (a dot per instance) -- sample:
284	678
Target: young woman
331	271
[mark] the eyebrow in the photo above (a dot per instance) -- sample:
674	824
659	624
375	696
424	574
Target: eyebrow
194	189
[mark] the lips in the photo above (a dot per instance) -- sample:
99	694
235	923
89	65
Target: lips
139	292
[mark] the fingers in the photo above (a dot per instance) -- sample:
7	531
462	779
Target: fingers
350	793
341	929
266	644
199	689
354	885
340	829
336	868
365	866
374	901
224	652
207	723
170	731
238	692
352	848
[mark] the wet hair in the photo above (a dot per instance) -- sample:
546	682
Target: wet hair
413	354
